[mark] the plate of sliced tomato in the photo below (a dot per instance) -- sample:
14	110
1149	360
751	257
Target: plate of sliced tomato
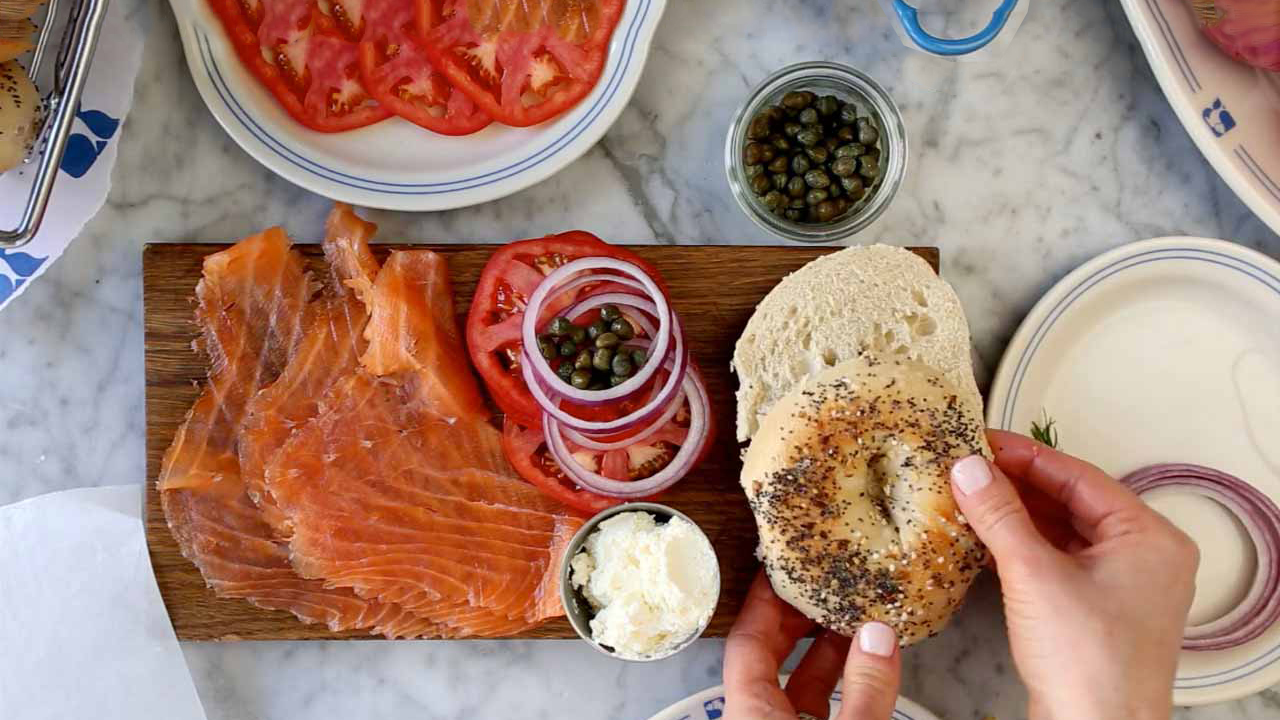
416	104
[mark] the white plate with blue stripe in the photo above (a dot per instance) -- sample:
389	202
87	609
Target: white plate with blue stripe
1166	350
1231	111
397	165
709	705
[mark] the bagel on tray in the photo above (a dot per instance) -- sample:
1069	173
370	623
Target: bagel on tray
857	392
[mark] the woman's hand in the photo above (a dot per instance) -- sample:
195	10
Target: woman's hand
1096	584
763	636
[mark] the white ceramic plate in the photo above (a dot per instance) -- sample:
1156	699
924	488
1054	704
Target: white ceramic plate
1231	110
709	705
1166	350
397	165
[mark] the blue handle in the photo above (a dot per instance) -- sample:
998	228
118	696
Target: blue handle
910	20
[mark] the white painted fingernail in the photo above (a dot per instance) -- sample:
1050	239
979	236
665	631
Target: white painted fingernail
876	638
971	474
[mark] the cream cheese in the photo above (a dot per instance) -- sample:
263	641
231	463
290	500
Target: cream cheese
652	585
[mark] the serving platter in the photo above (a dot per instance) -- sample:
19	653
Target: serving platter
394	164
709	705
1231	111
714	288
1166	350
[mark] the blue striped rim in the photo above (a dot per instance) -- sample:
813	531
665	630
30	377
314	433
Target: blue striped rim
898	714
1249	270
612	84
1180	58
1255	169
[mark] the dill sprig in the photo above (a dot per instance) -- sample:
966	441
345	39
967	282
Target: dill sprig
1044	430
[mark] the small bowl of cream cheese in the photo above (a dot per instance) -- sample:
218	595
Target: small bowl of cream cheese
640	581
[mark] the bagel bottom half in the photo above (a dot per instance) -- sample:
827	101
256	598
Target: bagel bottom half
848	478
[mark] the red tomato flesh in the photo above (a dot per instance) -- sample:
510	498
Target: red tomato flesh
521	61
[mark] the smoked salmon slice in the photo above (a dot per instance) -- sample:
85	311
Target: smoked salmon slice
329	349
252	304
398	489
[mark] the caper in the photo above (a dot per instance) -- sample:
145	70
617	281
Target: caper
842	206
809	137
578	334
781	143
760	184
808	116
779	181
848	114
779	164
639	356
828	105
797	99
599	326
565	371
825	211
844	167
791	128
773	112
559	326
852	150
547	346
797	203
873	152
751	153
753	170
867	133
799	164
568	348
818	153
834	189
601	358
774	200
621	365
793	214
609	313
598	385
796	187
831	143
846	134
853	186
816	196
580	379
583	360
767	153
616	380
759	127
817	179
622	328
868	167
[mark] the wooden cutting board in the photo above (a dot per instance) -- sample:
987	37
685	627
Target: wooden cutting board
714	288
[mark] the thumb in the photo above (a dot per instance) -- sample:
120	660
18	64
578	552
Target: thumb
871	674
993	508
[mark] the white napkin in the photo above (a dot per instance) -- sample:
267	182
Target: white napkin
85	173
83	631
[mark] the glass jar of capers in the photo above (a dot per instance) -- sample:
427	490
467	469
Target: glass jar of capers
817	152
594	356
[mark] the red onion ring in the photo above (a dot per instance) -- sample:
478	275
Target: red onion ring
567	273
699	412
1260	516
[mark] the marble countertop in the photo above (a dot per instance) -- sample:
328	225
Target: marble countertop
1020	169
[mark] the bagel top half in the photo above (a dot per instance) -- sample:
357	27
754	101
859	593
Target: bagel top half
848	478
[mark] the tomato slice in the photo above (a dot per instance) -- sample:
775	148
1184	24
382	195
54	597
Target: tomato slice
521	61
497	310
299	54
397	73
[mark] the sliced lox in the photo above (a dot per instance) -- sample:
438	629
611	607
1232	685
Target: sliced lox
250	306
398	489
